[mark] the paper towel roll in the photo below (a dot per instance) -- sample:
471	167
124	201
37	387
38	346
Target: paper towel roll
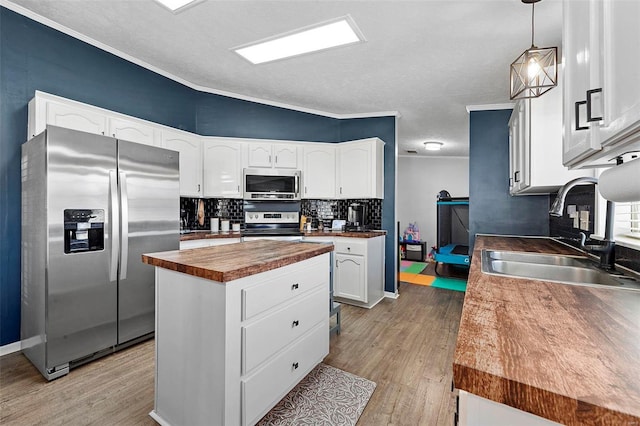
621	183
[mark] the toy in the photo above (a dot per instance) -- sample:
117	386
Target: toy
412	233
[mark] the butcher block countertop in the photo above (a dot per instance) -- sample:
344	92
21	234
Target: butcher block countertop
231	262
568	353
199	235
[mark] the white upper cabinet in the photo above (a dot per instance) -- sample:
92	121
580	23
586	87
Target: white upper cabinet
259	154
621	40
602	88
45	110
134	131
518	132
360	167
276	155
223	165
213	166
535	146
319	171
190	148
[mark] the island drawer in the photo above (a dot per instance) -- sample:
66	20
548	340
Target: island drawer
261	339
293	281
351	247
268	385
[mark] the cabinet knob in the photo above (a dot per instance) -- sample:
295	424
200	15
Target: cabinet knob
294	366
294	286
295	323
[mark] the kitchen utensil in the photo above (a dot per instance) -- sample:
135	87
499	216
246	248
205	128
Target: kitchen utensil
338	224
200	213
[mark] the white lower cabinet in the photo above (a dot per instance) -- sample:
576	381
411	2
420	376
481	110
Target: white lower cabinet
474	410
226	353
358	269
350	277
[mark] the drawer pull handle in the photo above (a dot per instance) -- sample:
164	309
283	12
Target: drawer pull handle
295	323
577	107
294	287
590	118
295	366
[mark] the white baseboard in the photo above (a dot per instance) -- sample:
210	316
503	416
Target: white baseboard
10	348
390	295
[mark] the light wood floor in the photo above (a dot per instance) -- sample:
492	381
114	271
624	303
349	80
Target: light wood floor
405	346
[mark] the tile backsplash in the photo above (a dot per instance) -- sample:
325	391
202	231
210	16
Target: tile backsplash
228	208
583	198
325	210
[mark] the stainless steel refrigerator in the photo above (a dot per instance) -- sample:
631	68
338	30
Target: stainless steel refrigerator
91	206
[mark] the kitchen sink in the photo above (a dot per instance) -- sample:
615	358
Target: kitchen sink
554	268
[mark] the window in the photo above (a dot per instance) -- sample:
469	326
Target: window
627	222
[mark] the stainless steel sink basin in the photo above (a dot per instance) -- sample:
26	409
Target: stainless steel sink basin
554	268
546	259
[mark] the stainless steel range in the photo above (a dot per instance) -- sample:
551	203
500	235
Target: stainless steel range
272	219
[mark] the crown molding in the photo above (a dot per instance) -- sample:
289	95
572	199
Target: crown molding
489	107
102	46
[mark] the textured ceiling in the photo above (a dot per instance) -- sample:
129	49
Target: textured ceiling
424	59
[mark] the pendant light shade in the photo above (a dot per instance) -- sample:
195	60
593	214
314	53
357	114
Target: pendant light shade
535	71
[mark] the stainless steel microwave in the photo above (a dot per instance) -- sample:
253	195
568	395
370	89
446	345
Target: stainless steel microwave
271	184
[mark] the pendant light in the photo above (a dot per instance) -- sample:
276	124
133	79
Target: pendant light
535	71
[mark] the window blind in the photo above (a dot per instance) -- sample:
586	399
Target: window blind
627	219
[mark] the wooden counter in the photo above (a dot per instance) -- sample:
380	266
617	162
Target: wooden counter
345	234
230	262
567	353
199	235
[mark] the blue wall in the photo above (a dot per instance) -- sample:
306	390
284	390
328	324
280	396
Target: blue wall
491	209
35	57
222	116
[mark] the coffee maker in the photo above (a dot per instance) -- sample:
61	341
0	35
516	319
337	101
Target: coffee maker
356	217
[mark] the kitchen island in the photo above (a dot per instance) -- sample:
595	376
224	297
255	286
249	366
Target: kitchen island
566	353
237	327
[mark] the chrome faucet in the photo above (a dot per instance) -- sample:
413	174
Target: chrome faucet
606	250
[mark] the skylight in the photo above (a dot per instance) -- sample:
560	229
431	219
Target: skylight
327	35
175	5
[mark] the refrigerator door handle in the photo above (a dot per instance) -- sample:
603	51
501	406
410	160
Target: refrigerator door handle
124	215
115	225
